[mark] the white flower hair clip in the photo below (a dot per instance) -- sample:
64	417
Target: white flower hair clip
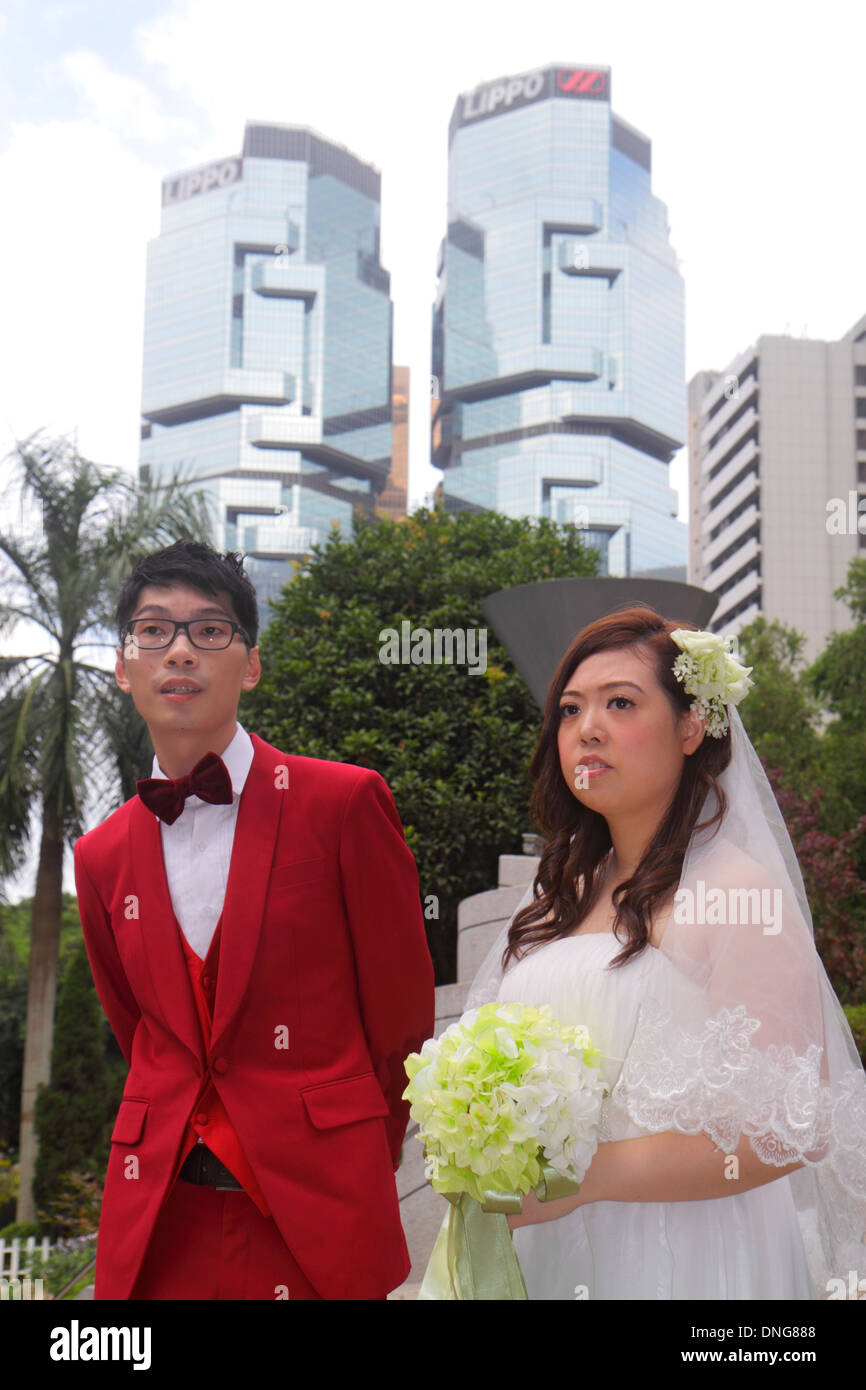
709	670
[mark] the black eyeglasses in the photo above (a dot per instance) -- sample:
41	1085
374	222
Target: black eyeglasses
207	634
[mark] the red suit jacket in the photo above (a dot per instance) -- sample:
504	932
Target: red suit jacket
323	948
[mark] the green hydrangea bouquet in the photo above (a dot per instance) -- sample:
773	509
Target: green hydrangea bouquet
506	1099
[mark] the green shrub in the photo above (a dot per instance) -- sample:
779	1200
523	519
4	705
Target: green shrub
74	1205
9	1171
60	1267
73	1116
856	1015
22	1229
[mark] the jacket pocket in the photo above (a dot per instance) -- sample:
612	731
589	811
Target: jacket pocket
129	1124
301	871
332	1103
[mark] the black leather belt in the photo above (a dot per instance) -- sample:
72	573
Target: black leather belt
202	1166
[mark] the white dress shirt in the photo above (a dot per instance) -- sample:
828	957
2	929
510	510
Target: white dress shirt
197	849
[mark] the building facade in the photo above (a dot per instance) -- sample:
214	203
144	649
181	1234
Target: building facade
267	351
393	500
558	327
777	482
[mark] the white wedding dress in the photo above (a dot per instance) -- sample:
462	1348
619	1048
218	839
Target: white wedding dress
745	1246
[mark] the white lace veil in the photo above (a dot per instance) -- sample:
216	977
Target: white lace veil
744	1034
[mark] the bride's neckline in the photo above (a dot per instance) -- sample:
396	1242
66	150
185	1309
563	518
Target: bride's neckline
585	935
607	932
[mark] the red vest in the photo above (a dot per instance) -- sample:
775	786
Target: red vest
209	1118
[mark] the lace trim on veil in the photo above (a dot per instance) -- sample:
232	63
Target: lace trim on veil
715	1081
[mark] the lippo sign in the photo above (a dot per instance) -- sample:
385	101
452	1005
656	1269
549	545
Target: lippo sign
217	175
510	93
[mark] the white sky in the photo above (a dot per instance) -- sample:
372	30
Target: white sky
755	112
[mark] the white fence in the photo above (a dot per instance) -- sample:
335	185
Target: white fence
16	1255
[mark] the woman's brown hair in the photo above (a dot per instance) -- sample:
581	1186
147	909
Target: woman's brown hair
578	839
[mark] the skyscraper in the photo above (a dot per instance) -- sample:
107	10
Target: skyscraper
777	482
267	349
558	334
394	497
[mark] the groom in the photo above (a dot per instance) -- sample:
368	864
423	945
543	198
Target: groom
254	927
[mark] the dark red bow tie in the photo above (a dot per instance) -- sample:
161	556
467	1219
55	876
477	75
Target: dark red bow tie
209	779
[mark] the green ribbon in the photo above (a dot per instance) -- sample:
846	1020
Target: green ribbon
474	1255
553	1185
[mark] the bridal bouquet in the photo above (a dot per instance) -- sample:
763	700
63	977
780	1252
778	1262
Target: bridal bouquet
507	1099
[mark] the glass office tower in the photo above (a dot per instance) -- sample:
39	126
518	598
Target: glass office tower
558	327
267	349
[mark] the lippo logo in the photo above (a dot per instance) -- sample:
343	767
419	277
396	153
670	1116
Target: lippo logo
511	91
582	82
419	647
217	175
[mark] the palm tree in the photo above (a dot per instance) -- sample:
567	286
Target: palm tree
67	734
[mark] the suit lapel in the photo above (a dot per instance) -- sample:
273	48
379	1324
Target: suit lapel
248	880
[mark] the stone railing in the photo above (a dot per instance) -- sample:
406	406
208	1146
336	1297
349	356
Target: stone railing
479	919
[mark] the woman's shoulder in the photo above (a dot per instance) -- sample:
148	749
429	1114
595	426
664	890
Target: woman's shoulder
723	863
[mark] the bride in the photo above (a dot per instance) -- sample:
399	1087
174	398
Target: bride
732	1154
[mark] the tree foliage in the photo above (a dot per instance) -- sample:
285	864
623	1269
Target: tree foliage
75	1111
453	746
67	736
780	714
838	679
834	887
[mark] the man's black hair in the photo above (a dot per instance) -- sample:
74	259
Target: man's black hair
201	567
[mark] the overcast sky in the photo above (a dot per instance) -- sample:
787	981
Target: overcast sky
755	112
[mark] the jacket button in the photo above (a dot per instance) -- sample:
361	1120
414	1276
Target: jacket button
205	981
220	1066
201	1118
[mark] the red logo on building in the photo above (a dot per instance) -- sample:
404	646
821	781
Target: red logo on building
584	82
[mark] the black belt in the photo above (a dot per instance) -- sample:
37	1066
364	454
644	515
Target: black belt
202	1166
